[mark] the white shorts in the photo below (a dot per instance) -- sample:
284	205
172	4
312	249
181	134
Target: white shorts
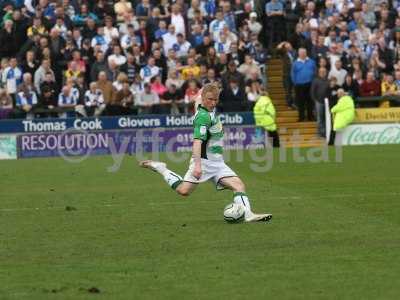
211	170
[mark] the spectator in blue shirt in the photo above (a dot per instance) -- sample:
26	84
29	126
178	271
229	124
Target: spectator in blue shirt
302	74
81	18
275	22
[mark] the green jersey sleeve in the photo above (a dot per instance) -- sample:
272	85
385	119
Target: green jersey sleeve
201	123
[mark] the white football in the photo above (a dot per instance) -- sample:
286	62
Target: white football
234	213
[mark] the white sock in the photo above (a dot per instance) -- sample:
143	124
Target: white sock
241	198
172	179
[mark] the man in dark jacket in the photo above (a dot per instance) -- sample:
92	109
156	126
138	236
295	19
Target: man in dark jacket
319	91
233	97
99	66
232	73
7	40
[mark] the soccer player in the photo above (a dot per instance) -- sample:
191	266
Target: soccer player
207	161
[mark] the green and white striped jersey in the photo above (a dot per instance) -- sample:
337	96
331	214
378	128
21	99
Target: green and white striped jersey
208	128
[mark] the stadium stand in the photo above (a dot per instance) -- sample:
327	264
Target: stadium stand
149	56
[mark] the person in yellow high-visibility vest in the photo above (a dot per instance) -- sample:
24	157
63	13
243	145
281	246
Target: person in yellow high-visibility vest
264	116
343	112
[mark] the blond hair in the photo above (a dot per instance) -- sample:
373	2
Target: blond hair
211	88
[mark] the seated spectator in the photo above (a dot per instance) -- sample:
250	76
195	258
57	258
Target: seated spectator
12	77
47	100
36	28
68	98
161	30
124	99
6	104
30	64
338	72
370	87
191	68
223	45
190	95
101	40
102	9
72	71
181	46
388	88
117	56
146	100
98	66
253	92
232	73
216	25
77	58
105	86
129	19
128	40
121	8
143	9
110	31
121	79
150	70
40	74
351	87
233	97
203	72
94	101
254	26
25	103
8	46
157	86
169	38
249	66
81	18
211	77
137	86
27	83
177	19
89	30
397	80
171	101
173	79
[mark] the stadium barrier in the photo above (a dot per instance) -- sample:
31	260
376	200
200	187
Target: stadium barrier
372	126
121	135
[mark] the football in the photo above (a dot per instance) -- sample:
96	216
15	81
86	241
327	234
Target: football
234	213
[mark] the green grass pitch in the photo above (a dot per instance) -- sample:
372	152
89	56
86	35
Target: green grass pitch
66	228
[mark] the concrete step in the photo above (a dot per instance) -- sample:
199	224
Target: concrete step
297	125
273	78
301	130
274	72
279	106
276	95
278	101
275	90
275	64
306	144
292	119
288	113
274	61
275	84
300	137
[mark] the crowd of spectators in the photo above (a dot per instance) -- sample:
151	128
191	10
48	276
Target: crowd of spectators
144	56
